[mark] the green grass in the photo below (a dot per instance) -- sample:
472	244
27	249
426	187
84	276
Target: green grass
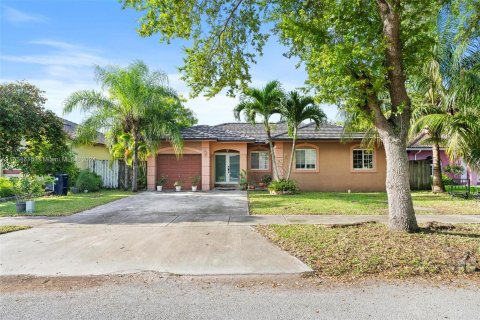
355	203
66	205
371	250
7	229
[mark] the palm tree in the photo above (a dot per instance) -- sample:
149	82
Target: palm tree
263	102
121	147
137	102
448	103
295	110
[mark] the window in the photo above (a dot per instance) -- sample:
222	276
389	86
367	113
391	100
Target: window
362	159
259	160
305	159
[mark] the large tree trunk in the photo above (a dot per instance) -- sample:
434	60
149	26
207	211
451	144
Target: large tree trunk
437	183
394	130
292	153
400	204
135	163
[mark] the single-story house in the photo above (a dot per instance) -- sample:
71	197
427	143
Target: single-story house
97	150
218	154
419	151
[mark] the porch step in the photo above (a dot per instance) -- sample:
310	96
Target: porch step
226	187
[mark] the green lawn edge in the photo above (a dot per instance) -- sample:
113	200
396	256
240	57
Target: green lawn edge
66	205
343	203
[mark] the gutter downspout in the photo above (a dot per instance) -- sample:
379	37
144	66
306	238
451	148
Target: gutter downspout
415	155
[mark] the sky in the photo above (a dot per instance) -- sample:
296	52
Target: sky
55	44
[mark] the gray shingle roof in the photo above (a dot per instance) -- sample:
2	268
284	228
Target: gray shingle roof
204	132
256	133
327	131
71	129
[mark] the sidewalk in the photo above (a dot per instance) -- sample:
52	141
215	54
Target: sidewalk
178	244
235	220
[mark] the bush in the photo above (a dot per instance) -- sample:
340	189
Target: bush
447	181
88	181
6	188
283	185
29	187
266	179
73	173
454	169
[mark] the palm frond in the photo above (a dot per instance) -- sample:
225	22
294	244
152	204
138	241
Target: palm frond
87	100
296	109
449	93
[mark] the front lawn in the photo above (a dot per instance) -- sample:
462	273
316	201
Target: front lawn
371	250
355	203
66	205
7	229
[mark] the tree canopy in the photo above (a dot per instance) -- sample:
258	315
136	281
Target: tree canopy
31	138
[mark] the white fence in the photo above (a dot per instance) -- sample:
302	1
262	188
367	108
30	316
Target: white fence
106	169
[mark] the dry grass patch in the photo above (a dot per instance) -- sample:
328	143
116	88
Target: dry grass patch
7	229
371	250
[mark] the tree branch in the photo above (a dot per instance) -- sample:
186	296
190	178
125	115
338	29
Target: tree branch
227	21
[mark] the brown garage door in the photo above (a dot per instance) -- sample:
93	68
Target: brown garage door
185	168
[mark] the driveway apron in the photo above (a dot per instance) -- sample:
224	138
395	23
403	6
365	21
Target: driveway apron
149	231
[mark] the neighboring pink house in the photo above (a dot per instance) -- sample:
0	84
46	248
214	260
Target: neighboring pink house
417	151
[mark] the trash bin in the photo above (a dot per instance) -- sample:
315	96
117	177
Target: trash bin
61	184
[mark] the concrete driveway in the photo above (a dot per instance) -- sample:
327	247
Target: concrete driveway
148	231
165	207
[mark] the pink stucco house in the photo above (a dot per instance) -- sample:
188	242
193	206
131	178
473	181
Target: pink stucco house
418	151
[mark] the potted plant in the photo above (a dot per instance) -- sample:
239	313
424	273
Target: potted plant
243	180
265	181
195	182
20	189
178	185
251	186
26	189
161	182
20	203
